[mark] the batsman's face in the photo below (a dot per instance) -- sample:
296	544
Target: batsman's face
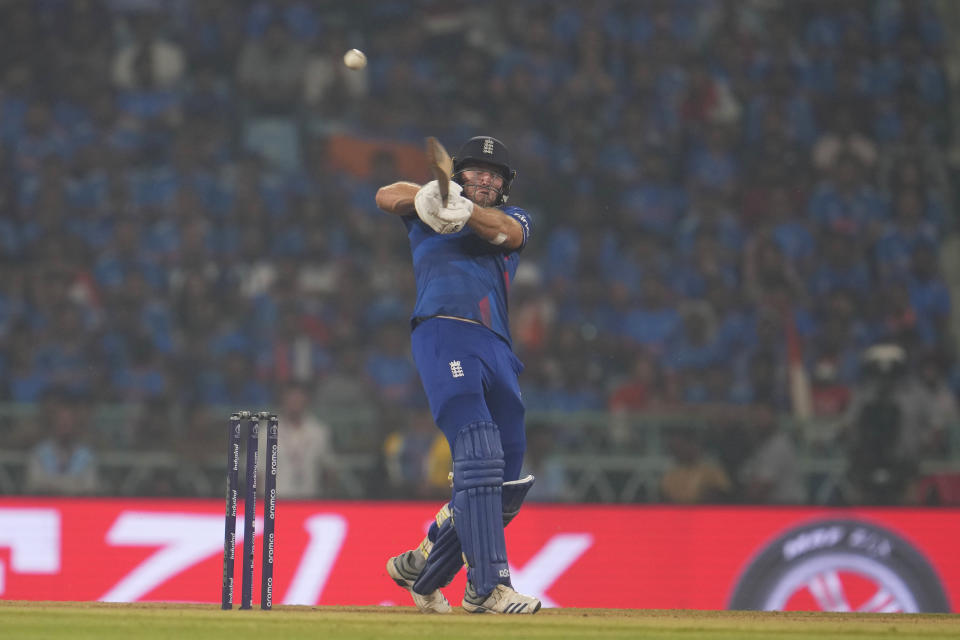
483	185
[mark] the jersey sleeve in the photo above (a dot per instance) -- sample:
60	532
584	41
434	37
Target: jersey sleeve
523	218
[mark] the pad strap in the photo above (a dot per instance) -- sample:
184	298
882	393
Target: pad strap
514	493
444	558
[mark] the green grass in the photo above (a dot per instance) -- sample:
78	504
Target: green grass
77	621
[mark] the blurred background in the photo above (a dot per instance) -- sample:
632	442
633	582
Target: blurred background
738	287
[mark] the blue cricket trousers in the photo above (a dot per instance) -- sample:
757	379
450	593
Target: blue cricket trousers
470	374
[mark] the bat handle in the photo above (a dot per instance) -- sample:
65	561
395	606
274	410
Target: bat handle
443	182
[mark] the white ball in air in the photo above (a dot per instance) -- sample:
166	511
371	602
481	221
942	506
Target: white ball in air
355	59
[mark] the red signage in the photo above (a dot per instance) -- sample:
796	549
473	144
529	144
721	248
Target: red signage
569	556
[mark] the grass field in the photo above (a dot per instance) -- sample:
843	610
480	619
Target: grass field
77	621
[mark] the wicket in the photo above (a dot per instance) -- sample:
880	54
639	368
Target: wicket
248	563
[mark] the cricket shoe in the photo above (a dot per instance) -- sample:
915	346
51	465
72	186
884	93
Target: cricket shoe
502	599
402	569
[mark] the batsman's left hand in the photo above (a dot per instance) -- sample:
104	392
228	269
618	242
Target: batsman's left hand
444	220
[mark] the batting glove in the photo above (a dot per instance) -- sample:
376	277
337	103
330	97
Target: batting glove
443	220
427	201
454	216
456	203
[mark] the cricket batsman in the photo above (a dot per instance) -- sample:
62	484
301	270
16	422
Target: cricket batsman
465	253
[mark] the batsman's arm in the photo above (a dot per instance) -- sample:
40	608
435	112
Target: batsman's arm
496	227
397	198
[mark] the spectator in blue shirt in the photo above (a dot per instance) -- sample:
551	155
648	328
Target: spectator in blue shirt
26	380
845	201
709	214
653	318
655	203
790	230
142	377
713	163
390	367
40	139
231	381
930	298
125	257
62	463
841	267
907	234
782	100
695	345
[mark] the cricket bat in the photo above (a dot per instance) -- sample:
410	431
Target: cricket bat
441	166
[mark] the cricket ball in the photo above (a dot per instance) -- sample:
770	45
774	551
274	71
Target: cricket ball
355	59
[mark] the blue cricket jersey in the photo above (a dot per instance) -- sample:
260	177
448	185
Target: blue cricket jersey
461	274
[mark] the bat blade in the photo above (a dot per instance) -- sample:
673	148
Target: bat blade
441	166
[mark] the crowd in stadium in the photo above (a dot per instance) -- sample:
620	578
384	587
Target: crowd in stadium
711	183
